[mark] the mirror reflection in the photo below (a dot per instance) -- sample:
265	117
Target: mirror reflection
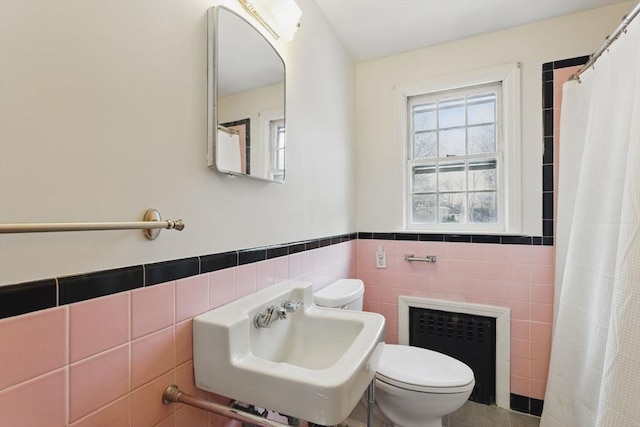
246	99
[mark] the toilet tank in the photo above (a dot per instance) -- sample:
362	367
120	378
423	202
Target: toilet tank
344	293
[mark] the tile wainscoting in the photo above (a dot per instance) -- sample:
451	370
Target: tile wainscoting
111	341
106	360
516	276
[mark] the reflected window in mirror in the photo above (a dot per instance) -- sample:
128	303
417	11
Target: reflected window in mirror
277	138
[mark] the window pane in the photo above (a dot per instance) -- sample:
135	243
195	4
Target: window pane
280	159
451	113
482	139
483	207
452	142
452	177
452	208
481	109
424	145
280	137
424	179
424	117
423	209
482	175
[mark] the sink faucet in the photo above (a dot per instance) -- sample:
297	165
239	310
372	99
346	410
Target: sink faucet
270	315
275	312
291	306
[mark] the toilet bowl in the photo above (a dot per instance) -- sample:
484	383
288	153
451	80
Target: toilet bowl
414	387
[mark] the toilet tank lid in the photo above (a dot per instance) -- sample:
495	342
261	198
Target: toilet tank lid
339	293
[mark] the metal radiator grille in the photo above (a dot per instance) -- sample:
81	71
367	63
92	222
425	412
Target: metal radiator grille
468	338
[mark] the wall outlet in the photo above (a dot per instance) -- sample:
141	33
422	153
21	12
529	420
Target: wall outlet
381	258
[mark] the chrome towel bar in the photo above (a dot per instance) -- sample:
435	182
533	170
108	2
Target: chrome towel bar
150	225
173	394
428	258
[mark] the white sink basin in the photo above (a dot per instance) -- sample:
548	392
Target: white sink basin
314	365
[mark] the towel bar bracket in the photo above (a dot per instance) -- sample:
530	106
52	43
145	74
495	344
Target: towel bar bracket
151	215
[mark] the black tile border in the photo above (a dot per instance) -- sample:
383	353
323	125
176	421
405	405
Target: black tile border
98	284
28	297
248	256
571	62
215	262
548	91
536	406
25	298
527	405
455	238
167	271
278	251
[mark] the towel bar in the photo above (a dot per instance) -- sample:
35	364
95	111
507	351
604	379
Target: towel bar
150	225
428	258
173	394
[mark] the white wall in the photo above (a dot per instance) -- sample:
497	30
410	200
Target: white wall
379	174
103	115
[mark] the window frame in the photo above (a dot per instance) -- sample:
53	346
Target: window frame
510	181
277	128
266	120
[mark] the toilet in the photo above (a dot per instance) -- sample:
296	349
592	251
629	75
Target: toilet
414	387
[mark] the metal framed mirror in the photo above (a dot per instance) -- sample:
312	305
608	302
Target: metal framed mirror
246	99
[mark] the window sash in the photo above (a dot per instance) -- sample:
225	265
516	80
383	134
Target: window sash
465	212
277	137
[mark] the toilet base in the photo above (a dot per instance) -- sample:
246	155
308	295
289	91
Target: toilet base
351	422
358	418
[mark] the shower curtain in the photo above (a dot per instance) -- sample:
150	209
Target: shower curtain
594	374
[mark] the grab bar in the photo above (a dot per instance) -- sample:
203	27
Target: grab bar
428	258
150	225
173	394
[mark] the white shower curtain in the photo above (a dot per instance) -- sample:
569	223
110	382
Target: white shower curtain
594	375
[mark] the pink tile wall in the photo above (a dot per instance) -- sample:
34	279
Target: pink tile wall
106	362
516	276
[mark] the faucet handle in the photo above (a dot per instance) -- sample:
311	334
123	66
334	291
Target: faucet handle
270	315
280	312
291	306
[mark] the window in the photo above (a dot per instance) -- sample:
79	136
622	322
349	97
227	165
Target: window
462	153
270	157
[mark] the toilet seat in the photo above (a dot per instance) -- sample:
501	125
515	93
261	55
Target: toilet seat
422	370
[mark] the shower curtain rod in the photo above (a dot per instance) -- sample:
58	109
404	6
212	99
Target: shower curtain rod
608	41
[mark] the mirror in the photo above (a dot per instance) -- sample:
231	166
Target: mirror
246	91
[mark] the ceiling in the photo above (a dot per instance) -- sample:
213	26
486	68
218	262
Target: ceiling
372	29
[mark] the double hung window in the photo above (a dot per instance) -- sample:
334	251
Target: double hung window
459	142
277	141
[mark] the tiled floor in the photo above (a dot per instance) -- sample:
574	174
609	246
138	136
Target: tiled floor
477	415
470	415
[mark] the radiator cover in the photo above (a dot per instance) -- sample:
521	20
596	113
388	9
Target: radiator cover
466	337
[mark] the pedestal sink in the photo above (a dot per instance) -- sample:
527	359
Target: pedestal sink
315	364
